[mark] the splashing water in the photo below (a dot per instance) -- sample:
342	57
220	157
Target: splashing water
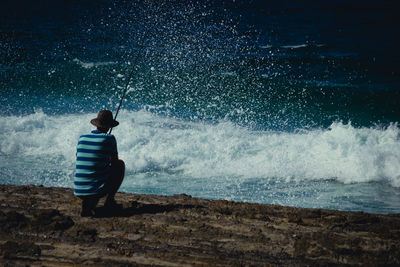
236	100
220	160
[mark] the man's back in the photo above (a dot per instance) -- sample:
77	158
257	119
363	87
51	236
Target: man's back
93	157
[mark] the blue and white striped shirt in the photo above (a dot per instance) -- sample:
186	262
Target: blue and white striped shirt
93	158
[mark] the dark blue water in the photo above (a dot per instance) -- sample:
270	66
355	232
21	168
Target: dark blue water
298	91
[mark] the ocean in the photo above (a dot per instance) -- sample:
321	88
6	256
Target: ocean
281	102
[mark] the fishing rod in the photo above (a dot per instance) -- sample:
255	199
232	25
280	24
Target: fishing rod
130	75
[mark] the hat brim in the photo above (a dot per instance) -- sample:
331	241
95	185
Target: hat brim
97	123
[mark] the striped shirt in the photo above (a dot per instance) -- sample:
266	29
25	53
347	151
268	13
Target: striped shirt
93	159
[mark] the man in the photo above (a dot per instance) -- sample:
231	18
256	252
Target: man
99	172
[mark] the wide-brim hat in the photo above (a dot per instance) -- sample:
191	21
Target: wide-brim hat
104	120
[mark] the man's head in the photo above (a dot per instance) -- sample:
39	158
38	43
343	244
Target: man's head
104	121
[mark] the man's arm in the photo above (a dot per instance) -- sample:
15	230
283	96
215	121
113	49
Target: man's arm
114	153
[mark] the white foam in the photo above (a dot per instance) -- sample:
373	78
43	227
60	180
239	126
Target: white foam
151	143
89	65
229	73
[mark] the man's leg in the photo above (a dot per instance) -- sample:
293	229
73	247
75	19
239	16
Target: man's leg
116	178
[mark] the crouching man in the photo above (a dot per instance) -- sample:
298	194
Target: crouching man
99	173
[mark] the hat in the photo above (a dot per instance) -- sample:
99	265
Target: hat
104	120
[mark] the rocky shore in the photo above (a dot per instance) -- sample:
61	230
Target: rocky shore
41	226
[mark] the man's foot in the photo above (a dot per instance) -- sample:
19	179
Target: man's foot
87	213
112	205
88	206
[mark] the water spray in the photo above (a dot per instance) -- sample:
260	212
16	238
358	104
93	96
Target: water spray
130	75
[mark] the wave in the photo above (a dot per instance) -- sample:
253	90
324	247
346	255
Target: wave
294	46
303	46
150	143
89	65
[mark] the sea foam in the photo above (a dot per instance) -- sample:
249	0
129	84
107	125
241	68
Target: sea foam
89	65
150	143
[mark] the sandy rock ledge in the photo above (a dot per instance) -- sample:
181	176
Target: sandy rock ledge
41	226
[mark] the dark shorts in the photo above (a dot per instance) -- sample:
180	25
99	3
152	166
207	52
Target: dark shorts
113	183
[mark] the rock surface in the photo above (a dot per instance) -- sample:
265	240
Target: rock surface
41	226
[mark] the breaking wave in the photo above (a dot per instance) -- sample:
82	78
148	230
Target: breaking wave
151	143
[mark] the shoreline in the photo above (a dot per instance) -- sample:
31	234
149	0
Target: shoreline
41	226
